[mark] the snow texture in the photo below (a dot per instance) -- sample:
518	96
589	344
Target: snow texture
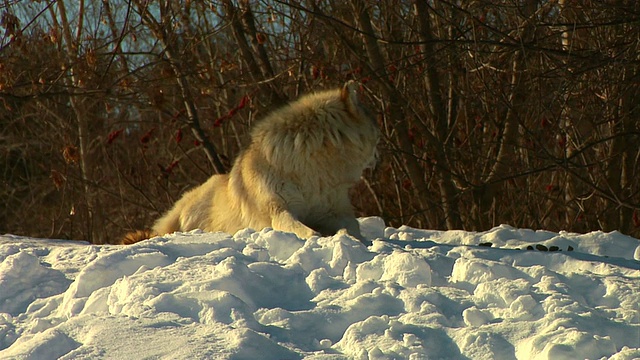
412	294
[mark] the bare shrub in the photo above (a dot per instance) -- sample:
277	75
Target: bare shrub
523	112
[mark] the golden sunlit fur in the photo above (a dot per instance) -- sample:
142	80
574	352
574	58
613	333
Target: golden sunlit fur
294	176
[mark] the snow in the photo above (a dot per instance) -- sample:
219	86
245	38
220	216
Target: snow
411	294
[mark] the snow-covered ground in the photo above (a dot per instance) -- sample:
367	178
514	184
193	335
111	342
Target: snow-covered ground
417	294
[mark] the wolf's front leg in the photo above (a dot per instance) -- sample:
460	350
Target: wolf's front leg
285	221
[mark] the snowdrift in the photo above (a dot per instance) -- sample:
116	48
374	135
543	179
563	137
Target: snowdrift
417	294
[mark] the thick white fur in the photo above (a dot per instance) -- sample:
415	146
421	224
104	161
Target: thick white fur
294	176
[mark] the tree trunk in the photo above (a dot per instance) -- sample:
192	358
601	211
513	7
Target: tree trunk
448	193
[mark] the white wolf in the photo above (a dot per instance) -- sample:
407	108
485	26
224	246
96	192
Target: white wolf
294	176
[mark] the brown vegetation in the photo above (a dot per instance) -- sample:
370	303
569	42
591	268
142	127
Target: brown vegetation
522	112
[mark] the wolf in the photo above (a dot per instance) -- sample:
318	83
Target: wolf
294	176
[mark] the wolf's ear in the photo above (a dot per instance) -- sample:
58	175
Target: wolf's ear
349	93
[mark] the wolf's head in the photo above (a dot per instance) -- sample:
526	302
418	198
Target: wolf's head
350	97
320	131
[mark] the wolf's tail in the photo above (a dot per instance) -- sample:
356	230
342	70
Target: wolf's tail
135	236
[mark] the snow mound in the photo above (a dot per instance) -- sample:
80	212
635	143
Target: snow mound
412	294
